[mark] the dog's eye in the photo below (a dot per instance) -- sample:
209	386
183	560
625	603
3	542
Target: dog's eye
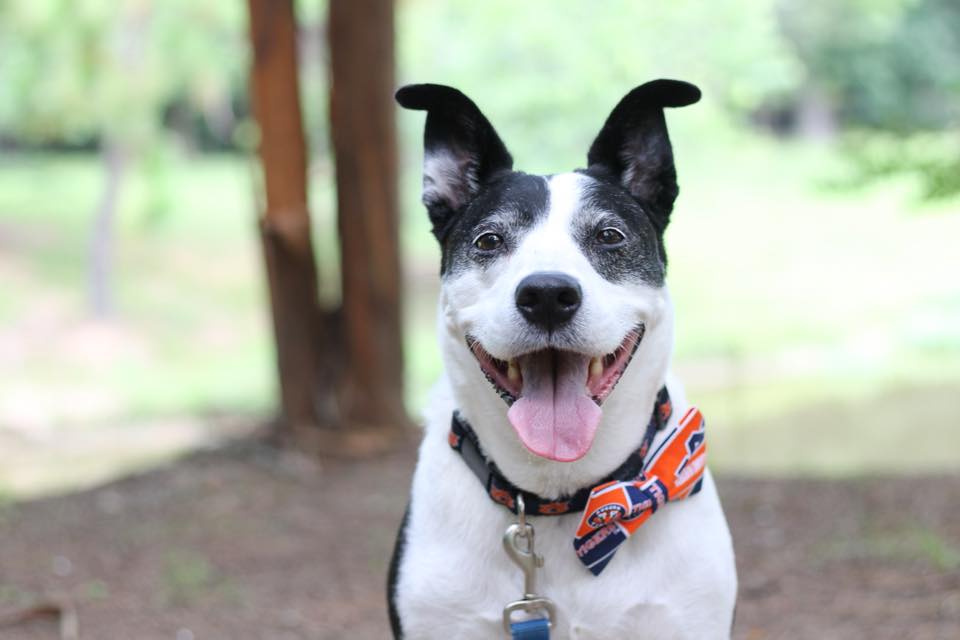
488	242
610	236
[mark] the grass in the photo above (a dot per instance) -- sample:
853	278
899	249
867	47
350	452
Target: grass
12	596
190	332
188	577
915	544
793	298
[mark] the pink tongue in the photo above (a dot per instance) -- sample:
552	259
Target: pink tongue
554	416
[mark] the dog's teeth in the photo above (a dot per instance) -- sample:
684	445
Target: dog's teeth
513	373
596	367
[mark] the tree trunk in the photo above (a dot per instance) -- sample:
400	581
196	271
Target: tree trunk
340	372
285	223
115	159
816	115
116	152
363	131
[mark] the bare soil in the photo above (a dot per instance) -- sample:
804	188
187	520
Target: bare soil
249	542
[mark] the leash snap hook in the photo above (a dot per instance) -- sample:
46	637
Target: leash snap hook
518	542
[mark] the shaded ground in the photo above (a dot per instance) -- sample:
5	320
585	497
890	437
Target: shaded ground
249	543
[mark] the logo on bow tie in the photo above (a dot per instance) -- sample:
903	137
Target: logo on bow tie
605	514
616	509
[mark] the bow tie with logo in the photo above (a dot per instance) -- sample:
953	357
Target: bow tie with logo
616	508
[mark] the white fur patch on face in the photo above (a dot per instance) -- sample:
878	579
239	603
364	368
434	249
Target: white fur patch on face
481	302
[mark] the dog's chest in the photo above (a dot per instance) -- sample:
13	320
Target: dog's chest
465	582
456	578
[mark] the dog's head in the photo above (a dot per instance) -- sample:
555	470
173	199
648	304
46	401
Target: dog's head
551	283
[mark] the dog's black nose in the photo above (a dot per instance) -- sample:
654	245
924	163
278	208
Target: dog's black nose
548	299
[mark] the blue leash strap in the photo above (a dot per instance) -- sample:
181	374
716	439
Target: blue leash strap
536	629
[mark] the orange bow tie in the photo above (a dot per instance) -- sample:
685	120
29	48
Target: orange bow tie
617	509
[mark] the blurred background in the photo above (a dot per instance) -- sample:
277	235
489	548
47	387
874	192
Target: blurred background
155	269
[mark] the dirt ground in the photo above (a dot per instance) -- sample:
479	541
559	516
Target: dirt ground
248	542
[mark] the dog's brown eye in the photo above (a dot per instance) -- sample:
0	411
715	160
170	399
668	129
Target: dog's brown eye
610	236
488	242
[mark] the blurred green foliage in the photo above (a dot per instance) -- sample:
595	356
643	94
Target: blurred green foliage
77	70
884	64
933	156
890	71
536	67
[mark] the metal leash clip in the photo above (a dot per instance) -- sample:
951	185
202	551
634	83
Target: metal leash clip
518	542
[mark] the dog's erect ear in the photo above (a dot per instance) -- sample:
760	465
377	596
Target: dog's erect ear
461	150
633	147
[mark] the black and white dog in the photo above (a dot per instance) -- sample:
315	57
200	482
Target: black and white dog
556	330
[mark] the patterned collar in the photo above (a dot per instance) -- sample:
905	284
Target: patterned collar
464	440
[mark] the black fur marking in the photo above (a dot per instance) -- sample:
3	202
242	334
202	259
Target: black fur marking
641	255
398	549
457	131
633	148
471	183
509	205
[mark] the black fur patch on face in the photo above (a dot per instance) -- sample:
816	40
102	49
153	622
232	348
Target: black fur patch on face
508	206
640	255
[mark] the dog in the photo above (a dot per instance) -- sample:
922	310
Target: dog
556	331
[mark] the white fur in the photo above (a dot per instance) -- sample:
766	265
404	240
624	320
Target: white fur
675	578
448	177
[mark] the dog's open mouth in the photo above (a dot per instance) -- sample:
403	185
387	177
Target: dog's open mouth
555	395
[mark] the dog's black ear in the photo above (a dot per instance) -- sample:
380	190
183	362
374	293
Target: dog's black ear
461	150
633	147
